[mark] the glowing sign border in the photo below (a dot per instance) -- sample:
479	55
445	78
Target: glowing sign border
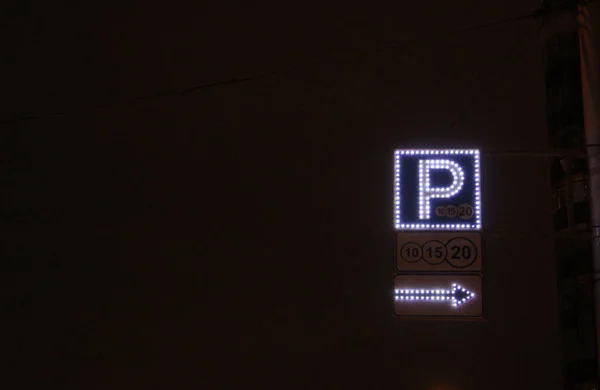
446	226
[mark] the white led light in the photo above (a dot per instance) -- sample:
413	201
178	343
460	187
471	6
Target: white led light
457	296
477	190
426	192
397	190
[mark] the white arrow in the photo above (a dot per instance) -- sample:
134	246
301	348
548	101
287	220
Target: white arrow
457	295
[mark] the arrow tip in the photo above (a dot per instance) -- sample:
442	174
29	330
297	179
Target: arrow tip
460	295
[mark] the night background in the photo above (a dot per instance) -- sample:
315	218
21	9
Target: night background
169	227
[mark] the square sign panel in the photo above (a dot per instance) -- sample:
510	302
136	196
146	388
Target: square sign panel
437	189
444	295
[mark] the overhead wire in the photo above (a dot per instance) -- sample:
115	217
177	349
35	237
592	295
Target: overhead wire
414	38
510	52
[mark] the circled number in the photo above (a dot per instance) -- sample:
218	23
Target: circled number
434	252
461	252
411	252
440	211
451	211
465	211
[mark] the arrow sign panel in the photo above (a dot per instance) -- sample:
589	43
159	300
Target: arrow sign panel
442	295
456	296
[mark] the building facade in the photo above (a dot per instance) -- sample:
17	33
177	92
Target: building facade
570	196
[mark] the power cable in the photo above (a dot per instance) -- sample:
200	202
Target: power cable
542	153
413	38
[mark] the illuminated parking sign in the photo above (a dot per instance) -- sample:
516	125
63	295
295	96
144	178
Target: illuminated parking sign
437	189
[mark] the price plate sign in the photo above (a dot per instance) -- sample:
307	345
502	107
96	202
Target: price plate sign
438	252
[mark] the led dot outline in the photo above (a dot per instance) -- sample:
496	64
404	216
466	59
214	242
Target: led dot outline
437	152
426	193
434	295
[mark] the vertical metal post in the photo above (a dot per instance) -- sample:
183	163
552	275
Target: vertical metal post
588	14
567	164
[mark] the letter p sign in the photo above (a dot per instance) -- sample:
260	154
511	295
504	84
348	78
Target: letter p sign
437	189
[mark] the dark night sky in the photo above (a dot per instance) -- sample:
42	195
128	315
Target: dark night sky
240	236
